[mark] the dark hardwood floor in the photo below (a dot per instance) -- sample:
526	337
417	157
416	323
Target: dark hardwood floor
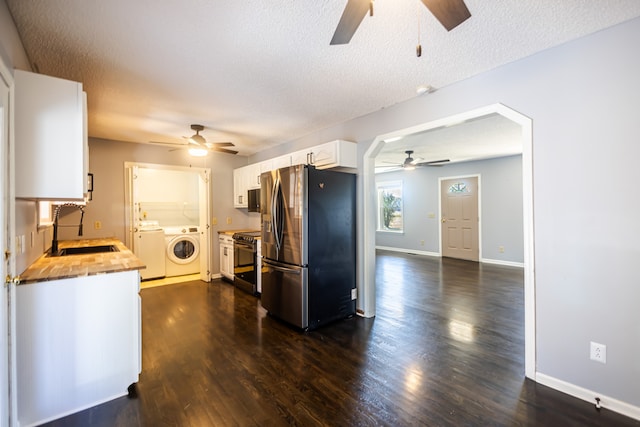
445	349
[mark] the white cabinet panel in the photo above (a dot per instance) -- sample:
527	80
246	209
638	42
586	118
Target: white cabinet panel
282	162
77	343
226	256
50	138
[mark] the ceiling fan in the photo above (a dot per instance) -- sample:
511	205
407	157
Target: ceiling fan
410	163
198	145
450	13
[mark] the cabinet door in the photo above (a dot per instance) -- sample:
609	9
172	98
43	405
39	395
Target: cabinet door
240	188
51	142
300	158
324	154
253	176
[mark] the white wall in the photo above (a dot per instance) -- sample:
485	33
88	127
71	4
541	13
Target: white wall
584	99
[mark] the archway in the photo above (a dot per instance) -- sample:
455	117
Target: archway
367	291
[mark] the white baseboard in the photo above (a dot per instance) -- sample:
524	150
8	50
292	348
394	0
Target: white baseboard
408	251
590	396
505	263
437	254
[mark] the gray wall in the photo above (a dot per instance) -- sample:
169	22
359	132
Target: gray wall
583	98
501	207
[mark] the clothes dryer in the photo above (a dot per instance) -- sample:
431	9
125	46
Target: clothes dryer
149	247
182	250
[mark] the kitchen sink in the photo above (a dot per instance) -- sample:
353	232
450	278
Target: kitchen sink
83	250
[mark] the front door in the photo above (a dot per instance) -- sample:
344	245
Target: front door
459	218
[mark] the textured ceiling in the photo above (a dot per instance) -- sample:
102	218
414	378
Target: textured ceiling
261	73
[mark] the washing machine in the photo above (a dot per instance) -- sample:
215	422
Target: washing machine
149	247
182	250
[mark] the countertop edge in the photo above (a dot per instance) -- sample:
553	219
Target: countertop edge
46	268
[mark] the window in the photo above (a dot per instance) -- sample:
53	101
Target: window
45	215
390	206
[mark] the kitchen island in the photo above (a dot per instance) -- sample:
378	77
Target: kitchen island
78	331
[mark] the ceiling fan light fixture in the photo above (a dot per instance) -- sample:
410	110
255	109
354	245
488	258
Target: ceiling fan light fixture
198	152
409	167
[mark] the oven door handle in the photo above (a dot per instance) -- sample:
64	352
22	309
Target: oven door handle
243	245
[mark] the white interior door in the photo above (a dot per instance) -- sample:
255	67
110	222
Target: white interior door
8	402
459	218
205	229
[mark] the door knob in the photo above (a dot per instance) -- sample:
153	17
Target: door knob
444	219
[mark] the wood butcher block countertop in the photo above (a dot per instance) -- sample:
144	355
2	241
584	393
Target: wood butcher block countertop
64	267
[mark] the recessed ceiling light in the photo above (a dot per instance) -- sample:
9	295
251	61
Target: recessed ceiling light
422	89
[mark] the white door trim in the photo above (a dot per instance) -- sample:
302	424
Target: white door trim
366	286
204	190
8	396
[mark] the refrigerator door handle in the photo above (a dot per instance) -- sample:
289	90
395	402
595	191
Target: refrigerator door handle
276	213
283	269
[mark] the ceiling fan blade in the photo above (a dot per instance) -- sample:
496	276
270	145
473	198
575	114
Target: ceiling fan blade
450	13
220	144
223	150
433	163
351	18
167	143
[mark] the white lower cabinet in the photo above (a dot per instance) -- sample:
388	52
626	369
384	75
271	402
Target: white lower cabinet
78	343
226	256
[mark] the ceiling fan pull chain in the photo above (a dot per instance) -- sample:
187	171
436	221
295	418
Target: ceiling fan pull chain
419	46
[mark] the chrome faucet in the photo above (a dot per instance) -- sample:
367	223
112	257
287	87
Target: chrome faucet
54	241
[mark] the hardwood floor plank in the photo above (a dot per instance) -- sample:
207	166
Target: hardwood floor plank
445	349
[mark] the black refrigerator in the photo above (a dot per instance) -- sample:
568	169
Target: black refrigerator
308	245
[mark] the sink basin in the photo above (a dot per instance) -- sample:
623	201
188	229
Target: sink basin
82	250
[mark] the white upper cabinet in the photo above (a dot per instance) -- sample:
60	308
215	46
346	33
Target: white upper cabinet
334	154
339	153
240	188
50	134
245	178
281	162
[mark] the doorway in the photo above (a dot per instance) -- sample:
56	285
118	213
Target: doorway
177	200
459	217
367	273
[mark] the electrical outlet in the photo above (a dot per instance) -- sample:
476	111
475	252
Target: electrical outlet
501	249
214	221
598	352
228	220
421	242
97	225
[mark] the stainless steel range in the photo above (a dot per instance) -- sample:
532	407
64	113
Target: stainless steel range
246	263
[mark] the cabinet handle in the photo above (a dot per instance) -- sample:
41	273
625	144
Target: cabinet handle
225	251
